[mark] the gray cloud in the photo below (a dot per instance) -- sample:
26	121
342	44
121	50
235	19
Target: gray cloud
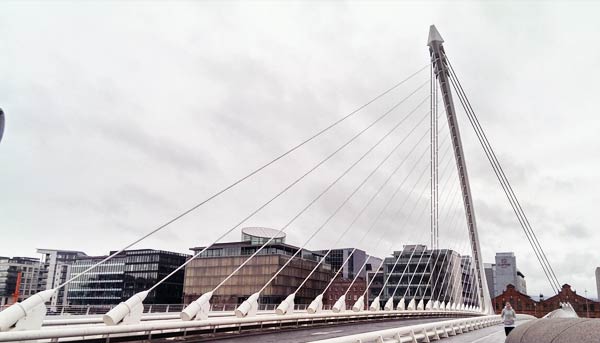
120	115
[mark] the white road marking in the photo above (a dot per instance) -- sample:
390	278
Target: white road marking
325	332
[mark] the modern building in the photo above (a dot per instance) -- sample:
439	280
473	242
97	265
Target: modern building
598	283
490	272
127	273
522	303
422	273
21	271
55	270
206	271
261	235
505	273
356	259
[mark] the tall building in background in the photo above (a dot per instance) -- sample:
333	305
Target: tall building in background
355	263
56	269
598	282
504	273
490	272
127	273
18	271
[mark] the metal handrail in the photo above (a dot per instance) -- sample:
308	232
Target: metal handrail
179	326
414	333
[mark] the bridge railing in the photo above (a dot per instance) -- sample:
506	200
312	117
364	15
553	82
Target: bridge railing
420	332
152	308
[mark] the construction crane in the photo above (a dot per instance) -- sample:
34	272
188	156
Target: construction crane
15	295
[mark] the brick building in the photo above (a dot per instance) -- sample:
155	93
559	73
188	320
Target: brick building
339	287
522	303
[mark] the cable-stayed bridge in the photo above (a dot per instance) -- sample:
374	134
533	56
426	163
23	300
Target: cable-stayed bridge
416	183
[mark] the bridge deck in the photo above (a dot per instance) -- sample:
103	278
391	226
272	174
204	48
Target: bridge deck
493	334
315	333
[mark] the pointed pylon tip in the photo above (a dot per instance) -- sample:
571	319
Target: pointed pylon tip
434	36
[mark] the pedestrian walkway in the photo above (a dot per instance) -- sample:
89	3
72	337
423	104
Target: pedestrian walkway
492	334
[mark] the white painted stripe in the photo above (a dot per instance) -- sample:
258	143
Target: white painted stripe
325	332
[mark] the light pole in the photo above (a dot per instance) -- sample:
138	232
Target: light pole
587	307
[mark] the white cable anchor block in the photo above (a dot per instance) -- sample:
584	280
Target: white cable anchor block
443	306
401	305
198	309
249	307
316	305
340	305
421	305
436	305
375	305
26	315
429	305
128	312
286	306
359	304
389	305
411	305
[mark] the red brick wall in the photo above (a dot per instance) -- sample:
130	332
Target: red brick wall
522	303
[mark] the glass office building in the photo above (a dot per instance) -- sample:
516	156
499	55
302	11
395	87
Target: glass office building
216	263
421	273
130	272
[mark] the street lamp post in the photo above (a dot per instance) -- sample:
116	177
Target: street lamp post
587	307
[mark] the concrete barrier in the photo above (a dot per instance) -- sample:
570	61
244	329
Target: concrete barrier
557	330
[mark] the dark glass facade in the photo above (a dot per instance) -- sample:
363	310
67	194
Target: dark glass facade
128	273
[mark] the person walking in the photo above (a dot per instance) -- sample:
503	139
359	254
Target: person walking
508	317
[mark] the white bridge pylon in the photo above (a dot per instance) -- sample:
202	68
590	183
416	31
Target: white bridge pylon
447	292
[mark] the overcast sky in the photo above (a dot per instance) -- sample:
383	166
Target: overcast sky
119	115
